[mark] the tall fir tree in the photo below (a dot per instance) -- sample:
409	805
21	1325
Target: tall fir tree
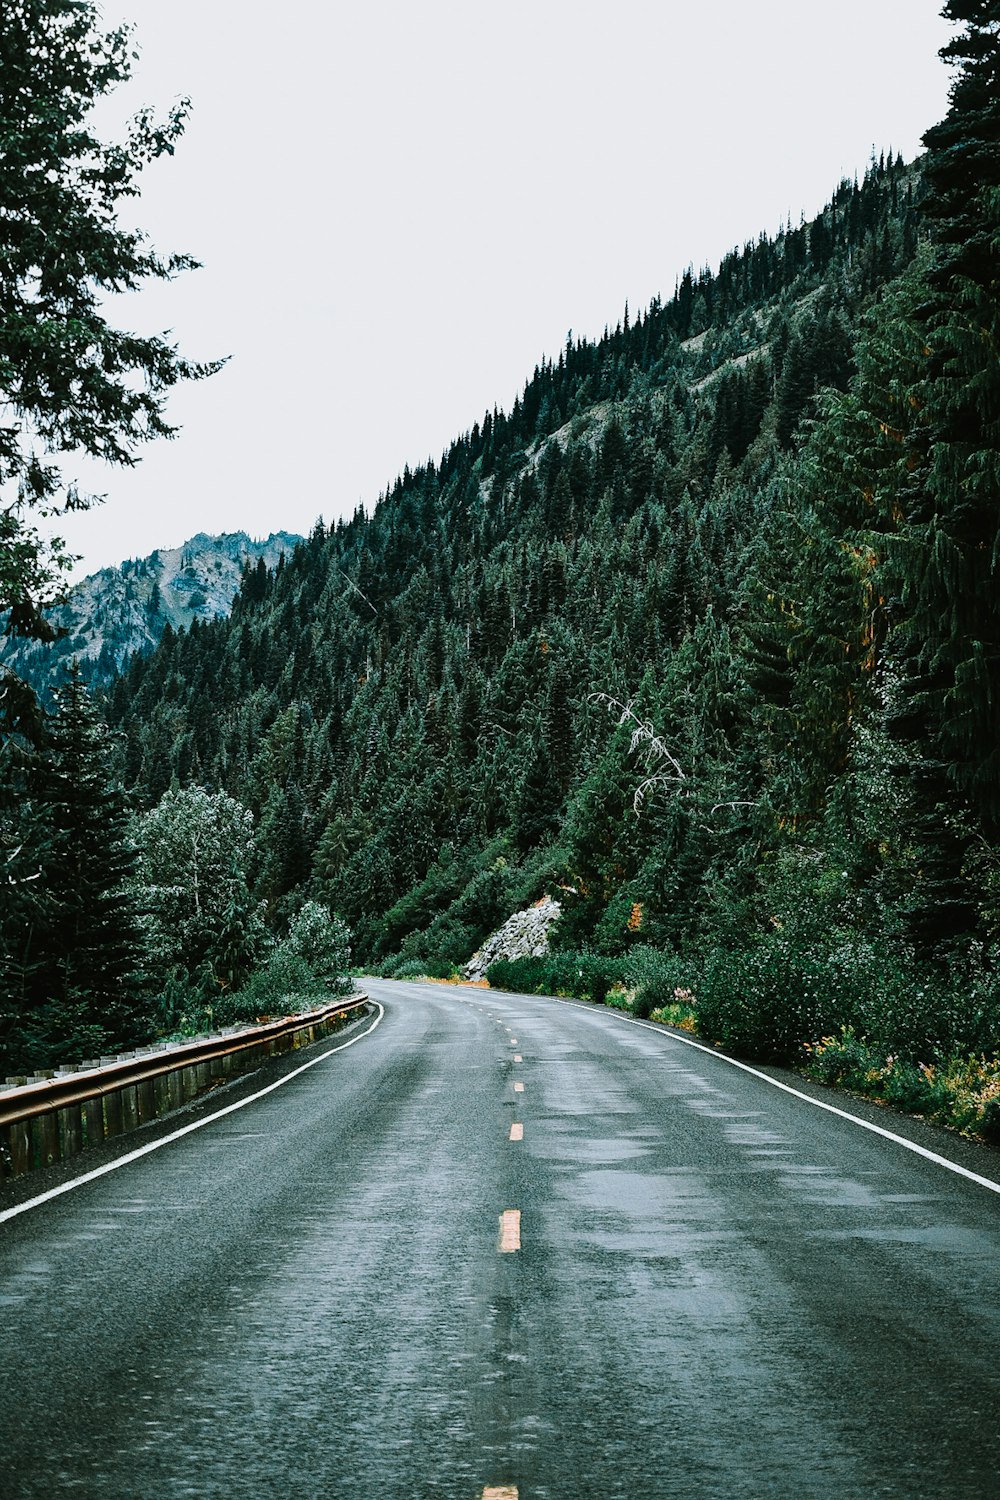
948	548
26	850
83	995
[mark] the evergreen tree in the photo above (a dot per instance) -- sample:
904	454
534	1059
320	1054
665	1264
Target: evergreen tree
69	380
948	548
78	960
26	850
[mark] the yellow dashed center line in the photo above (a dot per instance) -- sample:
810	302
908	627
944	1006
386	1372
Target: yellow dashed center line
517	1131
519	1088
510	1231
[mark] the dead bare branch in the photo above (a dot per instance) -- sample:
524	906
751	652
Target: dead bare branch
653	748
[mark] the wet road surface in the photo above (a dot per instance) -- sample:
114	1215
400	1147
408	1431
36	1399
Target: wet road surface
673	1281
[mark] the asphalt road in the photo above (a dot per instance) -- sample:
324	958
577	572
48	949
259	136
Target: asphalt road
681	1281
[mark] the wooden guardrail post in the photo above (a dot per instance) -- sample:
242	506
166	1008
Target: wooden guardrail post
130	1107
113	1114
45	1141
146	1100
71	1129
93	1122
20	1147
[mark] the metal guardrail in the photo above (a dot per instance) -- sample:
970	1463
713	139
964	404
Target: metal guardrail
46	1121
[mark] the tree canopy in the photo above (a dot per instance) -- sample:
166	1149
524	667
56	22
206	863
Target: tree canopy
70	381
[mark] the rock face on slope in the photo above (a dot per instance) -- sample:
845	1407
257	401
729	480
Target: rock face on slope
524	935
120	611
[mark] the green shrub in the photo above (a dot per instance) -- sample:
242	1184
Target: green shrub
525	976
324	943
990	1123
285	984
660	979
588	975
763	1001
680	1013
187	1003
406	968
963	1092
444	946
596	975
440	968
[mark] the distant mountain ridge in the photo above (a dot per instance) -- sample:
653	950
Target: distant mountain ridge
118	612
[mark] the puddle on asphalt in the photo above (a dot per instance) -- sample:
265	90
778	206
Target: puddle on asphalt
748	1134
597	1152
640	1195
833	1192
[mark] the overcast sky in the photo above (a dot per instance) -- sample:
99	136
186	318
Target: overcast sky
401	207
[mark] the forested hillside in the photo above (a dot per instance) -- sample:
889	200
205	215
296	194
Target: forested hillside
122	612
701	636
408	704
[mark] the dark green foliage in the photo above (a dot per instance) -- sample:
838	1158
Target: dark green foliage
405	706
70	932
762	1001
195	853
72	382
675	639
658	978
27	847
585	975
949	545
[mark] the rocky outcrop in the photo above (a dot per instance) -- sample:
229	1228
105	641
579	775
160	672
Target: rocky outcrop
524	935
122	611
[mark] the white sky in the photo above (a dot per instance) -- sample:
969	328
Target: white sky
401	207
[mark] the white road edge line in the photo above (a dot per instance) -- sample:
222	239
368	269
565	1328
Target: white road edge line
831	1109
175	1135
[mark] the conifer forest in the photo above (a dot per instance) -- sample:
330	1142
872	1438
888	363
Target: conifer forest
701	638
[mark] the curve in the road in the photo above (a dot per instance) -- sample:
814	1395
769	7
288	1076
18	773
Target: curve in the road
709	1288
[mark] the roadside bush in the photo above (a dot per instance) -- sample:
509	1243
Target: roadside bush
596	975
526	976
187	1002
764	1002
285	984
769	999
443	946
963	1092
587	975
405	968
310	964
440	968
324	943
990	1123
659	979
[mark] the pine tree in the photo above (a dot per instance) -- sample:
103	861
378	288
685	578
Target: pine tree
26	850
949	551
80	961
